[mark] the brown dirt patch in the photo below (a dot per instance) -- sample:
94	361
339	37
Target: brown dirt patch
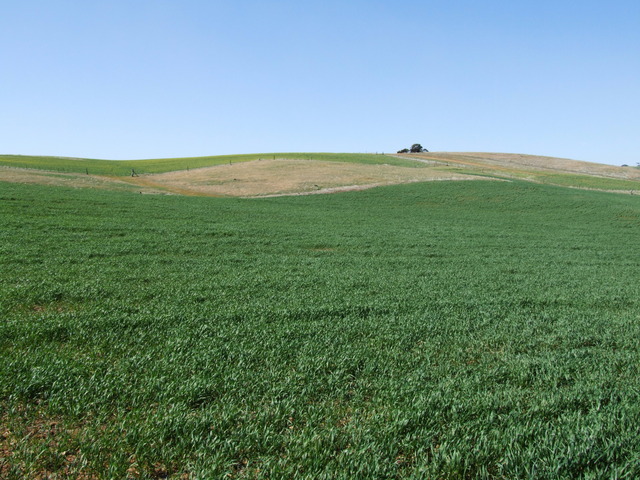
289	177
40	447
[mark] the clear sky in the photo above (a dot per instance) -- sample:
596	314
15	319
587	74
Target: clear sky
128	79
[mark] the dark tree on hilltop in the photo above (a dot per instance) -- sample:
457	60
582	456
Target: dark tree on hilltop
417	148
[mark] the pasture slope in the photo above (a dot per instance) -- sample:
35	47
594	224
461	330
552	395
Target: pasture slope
308	173
455	330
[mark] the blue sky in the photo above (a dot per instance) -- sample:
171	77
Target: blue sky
150	78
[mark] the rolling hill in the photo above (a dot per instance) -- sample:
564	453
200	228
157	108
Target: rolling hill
306	173
434	329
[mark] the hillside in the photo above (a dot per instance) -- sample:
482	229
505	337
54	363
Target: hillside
307	173
515	163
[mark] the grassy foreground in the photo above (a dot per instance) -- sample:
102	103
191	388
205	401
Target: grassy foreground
439	330
161	165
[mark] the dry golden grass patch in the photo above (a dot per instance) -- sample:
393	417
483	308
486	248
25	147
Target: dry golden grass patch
290	177
523	163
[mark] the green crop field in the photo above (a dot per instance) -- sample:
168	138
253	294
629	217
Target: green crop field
434	330
161	165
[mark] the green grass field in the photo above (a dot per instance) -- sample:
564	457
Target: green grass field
436	330
161	165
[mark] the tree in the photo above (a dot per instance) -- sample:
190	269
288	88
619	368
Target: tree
417	148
